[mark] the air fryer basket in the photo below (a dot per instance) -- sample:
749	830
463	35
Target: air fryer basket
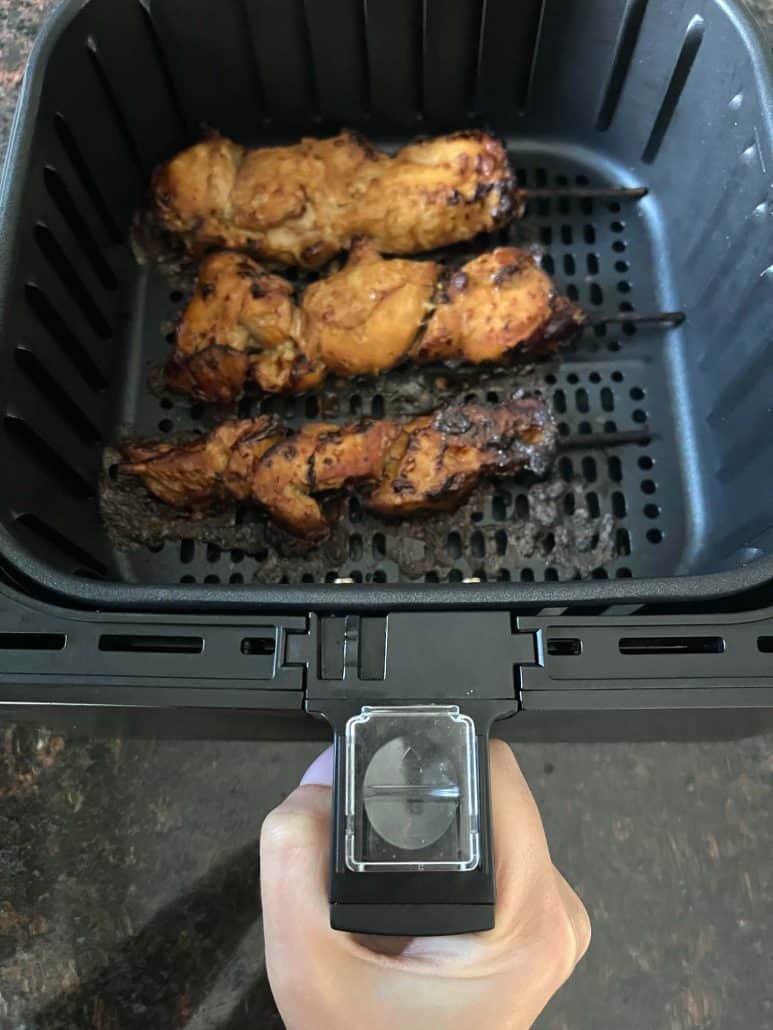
671	94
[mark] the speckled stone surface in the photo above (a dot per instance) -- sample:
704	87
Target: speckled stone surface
128	877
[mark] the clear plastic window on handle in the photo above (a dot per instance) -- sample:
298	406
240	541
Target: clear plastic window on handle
411	790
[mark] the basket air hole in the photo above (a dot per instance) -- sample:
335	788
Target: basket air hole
87	179
64	337
471	398
624	287
355	547
559	401
541	177
592	504
581	401
454	546
548	264
213	553
671	645
500	542
589	469
170	337
688	53
573	378
378	546
619	507
564	647
237	555
600	574
25	439
567	237
455	576
504	576
289	407
478	544
307	578
52	536
654	536
639	416
355	510
64	268
765	645
585	428
312	407
432	577
133	643
166	425
551	575
569	504
589	234
236	578
594	377
522	506
244	407
60	195
592	264
187	550
212	579
648	486
615	468
548	544
377	406
258	645
607	399
32	641
618	247
546	235
627	38
566	468
58	398
176	296
492	397
623	542
355	404
645	462
610	426
572	292
569	267
651	511
596	294
499	507
527	575
120	119
167	403
156	547
622	266
617	377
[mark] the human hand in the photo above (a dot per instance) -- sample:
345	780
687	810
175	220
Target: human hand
323	979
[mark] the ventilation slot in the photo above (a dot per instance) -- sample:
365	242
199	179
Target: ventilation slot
687	55
32	641
765	645
64	337
45	456
53	537
54	395
63	266
134	644
569	647
626	45
78	227
120	118
88	181
258	645
672	645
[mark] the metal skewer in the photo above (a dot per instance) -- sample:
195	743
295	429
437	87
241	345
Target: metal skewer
591	441
667	318
584	192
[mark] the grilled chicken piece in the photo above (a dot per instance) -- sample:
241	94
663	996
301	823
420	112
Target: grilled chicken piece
191	475
301	204
495	304
241	323
430	463
364	319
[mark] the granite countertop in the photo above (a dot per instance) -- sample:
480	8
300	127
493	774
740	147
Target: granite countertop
128	877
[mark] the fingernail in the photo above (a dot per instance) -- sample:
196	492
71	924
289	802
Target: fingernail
321	770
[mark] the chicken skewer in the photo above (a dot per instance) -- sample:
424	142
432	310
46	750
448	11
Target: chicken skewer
242	324
400	468
302	204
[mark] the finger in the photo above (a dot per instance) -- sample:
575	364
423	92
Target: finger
322	769
521	854
578	916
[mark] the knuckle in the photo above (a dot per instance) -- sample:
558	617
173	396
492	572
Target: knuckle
560	945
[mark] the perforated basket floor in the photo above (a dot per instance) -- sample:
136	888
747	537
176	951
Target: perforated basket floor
614	512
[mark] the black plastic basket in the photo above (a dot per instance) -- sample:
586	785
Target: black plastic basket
672	94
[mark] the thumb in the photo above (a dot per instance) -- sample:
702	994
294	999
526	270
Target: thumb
294	858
